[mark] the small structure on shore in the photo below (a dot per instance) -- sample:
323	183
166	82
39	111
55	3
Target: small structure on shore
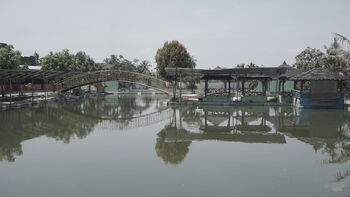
318	88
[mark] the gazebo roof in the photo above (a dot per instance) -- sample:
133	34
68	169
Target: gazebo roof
318	74
285	65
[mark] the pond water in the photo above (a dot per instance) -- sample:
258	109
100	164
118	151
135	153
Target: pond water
137	146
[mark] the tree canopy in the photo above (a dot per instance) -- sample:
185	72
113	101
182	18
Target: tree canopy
65	61
118	62
173	54
309	58
9	58
335	57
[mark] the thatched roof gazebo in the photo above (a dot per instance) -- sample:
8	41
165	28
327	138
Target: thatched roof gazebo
319	88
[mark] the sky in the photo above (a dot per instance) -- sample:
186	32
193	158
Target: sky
216	32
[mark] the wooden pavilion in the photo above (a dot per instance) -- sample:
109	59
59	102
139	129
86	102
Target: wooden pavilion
240	76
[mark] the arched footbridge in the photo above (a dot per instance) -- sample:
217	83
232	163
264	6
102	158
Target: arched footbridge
87	78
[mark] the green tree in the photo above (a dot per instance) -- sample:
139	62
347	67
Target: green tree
143	67
173	55
37	58
9	58
309	59
85	63
65	61
120	63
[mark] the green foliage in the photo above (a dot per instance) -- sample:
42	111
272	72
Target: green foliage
191	82
9	58
309	58
65	61
37	58
335	58
173	54
118	62
250	65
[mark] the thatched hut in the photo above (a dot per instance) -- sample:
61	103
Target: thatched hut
318	88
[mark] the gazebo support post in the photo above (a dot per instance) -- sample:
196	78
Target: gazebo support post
3	88
45	86
229	87
243	89
180	86
32	91
205	87
225	85
264	87
174	90
10	92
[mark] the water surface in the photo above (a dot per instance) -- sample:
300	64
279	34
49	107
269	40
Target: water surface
137	146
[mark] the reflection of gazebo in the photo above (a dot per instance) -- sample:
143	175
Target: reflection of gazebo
324	90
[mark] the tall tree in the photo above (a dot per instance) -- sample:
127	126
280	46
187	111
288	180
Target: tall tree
9	58
85	63
173	54
65	61
309	58
143	67
120	63
37	58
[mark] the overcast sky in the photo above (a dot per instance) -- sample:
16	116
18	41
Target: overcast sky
217	33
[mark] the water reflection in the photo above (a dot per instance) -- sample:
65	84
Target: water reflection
65	121
327	131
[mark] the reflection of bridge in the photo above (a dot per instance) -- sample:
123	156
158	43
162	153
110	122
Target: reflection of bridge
136	122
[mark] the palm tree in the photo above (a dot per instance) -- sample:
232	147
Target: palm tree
342	39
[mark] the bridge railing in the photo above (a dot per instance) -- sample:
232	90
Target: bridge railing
113	75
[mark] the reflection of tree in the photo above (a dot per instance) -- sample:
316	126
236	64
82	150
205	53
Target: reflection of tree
62	121
190	115
342	175
172	152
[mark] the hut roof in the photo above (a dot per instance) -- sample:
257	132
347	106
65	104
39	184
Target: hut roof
285	65
318	74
